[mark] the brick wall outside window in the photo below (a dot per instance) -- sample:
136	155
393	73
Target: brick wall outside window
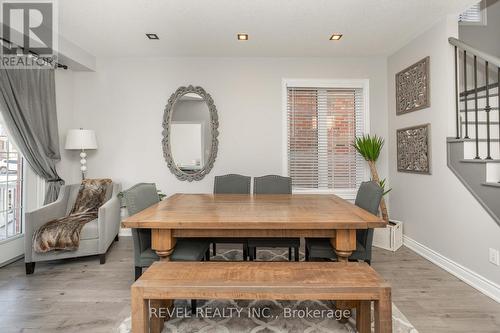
322	125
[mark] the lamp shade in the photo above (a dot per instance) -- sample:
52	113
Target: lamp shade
80	139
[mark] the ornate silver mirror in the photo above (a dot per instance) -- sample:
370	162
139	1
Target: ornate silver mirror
190	130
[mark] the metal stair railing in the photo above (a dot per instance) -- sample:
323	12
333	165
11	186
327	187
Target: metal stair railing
490	61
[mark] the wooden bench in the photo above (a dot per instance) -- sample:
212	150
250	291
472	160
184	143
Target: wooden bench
357	282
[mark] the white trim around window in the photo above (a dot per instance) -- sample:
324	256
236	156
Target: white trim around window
475	15
323	83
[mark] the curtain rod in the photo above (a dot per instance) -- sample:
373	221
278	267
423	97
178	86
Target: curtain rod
59	65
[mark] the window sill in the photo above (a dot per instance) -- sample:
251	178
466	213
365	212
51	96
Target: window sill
11	239
347	194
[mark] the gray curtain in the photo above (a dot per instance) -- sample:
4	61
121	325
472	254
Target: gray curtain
28	106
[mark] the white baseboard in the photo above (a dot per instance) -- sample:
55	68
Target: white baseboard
473	279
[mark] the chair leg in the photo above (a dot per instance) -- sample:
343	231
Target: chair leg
251	253
245	252
193	306
296	253
138	272
30	268
207	255
289	254
368	261
307	254
255	253
117	238
102	258
214	249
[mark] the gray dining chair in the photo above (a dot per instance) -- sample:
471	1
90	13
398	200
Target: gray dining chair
140	197
231	184
272	184
368	198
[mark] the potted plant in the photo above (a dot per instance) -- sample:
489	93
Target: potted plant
391	237
370	147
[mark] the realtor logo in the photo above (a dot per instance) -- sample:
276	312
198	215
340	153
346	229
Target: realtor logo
27	34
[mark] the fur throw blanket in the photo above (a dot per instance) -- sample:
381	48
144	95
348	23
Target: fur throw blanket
64	233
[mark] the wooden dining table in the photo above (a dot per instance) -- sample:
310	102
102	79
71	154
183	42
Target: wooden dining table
246	216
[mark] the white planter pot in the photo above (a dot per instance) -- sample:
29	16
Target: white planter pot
389	238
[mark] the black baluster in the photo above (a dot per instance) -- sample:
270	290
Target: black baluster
487	108
476	111
465	97
457	100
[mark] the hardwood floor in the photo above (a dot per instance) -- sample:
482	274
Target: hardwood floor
79	295
432	299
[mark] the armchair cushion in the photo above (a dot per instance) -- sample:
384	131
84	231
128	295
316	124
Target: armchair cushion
90	230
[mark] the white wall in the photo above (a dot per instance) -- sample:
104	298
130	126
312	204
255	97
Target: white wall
125	98
437	210
69	166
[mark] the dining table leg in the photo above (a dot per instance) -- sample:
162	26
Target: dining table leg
344	243
163	242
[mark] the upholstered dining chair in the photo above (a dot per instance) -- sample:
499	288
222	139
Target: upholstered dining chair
231	184
368	198
272	184
140	197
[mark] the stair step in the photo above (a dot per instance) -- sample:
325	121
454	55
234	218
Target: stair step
491	184
473	174
480	161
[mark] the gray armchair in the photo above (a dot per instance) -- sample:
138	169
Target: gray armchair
368	198
273	184
96	236
140	197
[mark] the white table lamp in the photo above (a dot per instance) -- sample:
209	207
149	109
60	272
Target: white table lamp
81	139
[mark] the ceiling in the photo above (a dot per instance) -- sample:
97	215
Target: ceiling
278	28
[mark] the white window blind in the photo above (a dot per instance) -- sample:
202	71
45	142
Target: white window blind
322	125
472	15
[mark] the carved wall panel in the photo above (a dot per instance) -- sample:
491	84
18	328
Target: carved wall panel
412	87
413	149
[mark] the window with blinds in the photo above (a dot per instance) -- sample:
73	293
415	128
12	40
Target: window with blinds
322	124
474	15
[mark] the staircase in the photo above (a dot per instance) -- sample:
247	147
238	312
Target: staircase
474	154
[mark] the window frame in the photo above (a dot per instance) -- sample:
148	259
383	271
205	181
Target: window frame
323	83
23	175
483	14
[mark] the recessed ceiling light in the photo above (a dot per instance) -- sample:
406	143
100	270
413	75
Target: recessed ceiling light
336	37
242	36
152	36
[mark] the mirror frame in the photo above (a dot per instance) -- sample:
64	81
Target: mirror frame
214	124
